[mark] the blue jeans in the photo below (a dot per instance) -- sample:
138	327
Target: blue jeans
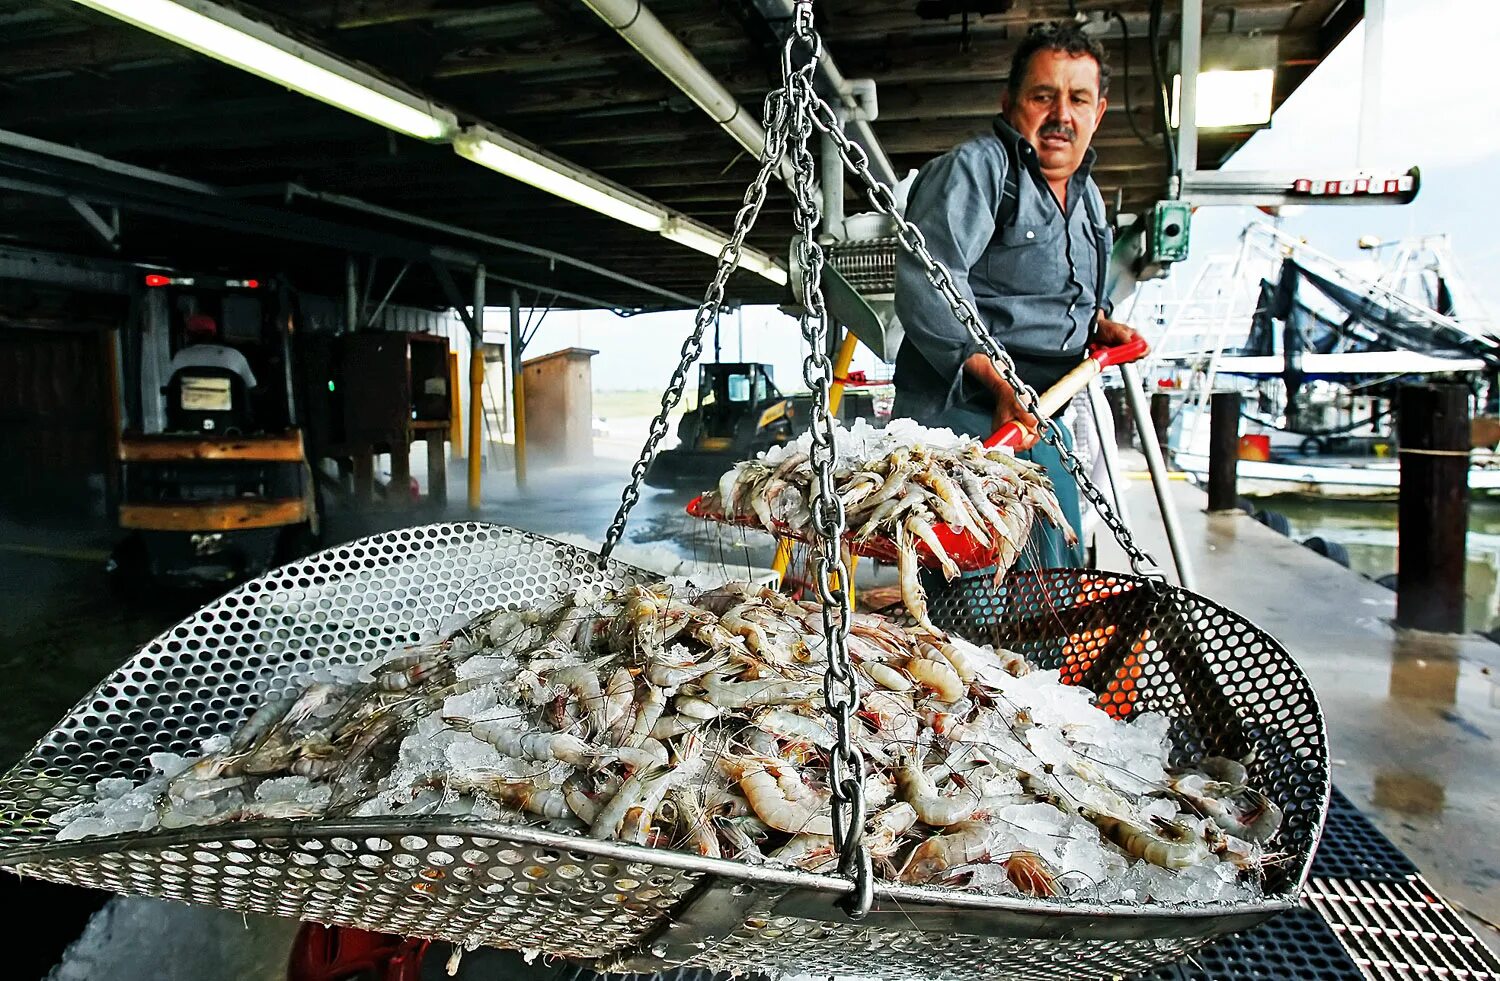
1047	547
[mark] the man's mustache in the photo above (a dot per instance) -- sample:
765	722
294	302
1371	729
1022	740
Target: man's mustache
1058	129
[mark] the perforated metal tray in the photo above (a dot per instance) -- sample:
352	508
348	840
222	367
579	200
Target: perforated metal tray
1226	685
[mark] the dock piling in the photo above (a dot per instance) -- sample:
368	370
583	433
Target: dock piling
1161	416
1433	514
1223	451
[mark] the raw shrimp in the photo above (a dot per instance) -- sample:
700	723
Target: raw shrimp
912	594
779	795
1169	844
544	747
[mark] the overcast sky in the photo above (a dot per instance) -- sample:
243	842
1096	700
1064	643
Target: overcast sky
1438	111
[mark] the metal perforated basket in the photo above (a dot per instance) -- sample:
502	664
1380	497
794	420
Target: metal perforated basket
1227	687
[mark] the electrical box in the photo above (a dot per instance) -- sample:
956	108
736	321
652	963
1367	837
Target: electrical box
1169	231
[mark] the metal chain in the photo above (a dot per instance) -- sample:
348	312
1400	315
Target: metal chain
708	313
846	774
915	243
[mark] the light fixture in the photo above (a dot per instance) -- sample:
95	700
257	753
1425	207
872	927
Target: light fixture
1229	98
227	36
546	173
1236	75
710	241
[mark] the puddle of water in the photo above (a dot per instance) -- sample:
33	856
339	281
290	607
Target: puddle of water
1368	530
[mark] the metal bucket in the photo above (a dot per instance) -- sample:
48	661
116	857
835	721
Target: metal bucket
1227	687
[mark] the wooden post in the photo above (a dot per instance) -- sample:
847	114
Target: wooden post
364	477
437	469
1161	417
1433	422
398	494
1223	450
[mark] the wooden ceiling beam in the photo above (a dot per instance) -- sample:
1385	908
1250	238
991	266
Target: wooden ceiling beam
95	47
716	35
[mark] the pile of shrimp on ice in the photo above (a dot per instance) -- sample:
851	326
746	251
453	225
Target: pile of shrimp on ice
694	721
898	483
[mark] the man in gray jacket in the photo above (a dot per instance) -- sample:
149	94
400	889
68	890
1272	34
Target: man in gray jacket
1017	219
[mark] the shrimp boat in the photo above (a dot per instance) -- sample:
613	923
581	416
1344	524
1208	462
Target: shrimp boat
1318	349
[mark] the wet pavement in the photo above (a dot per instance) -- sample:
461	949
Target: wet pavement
1413	720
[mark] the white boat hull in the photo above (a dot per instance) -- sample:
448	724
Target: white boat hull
1375	480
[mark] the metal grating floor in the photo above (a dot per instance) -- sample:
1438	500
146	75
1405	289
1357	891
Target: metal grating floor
1400	929
1367	913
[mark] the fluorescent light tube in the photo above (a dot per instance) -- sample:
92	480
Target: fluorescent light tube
712	242
556	177
235	40
1229	98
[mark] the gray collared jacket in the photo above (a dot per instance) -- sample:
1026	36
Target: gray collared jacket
1034	278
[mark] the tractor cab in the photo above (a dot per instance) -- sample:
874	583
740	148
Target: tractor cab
215	482
738	407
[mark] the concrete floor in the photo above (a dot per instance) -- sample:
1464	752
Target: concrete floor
1412	719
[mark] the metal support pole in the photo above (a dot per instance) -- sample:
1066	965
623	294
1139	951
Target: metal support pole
476	390
831	179
1187	118
455	408
1223	451
1158	468
1433	512
518	387
351	293
1369	91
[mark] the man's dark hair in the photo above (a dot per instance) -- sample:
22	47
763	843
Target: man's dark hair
1063	37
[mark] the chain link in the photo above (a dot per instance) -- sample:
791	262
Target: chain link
794	114
708	313
846	774
938	275
790	125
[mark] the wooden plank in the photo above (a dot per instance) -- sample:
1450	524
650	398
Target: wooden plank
96	47
437	469
711	34
213	515
283	448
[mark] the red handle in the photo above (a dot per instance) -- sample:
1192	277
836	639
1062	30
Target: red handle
1121	353
1013	434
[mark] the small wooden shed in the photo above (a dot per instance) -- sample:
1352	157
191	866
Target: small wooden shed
560	406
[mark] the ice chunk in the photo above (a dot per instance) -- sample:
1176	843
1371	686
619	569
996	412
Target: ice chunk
465	754
112	788
471	703
283	789
213	744
87	827
168	764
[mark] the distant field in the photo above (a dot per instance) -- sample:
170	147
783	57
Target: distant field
625	405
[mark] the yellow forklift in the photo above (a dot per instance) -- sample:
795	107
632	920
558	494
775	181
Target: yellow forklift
215	482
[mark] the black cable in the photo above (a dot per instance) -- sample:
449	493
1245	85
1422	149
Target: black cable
1129	112
1153	33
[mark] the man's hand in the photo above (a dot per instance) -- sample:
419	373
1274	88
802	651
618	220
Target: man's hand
1008	410
1112	333
981	369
